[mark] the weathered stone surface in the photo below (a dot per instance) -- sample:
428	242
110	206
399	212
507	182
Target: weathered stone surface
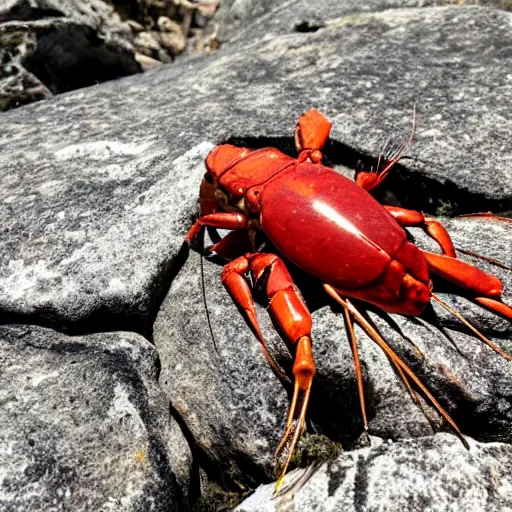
226	392
18	86
434	473
52	46
84	425
112	232
243	21
99	188
250	20
92	13
70	261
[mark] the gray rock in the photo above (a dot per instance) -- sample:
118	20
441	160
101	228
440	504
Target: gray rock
87	273
18	85
99	189
222	388
243	21
71	262
69	44
434	473
92	13
84	425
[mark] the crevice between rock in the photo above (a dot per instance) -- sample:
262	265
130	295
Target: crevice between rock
403	187
107	316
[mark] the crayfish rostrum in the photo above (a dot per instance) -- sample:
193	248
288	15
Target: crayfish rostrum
335	230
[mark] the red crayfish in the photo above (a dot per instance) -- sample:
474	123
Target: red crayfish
335	230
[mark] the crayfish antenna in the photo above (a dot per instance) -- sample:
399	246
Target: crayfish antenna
370	180
359	376
406	371
474	329
484	215
357	365
208	320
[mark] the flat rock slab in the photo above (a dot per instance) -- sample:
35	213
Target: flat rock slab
84	425
90	238
97	254
435	473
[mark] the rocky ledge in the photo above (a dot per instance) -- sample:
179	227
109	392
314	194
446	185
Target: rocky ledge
120	393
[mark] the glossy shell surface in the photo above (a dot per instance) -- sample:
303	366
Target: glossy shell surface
304	214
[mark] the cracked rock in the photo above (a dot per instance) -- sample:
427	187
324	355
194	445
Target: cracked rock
226	392
244	21
434	473
96	224
99	188
84	425
250	20
57	46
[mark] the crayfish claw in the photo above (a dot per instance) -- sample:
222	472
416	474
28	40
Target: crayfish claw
294	428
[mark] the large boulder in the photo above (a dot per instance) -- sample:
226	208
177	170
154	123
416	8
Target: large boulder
236	407
52	46
243	21
48	47
84	425
70	232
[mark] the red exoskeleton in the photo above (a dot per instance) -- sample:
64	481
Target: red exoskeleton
335	230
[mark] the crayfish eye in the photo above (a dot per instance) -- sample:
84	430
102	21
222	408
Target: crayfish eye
208	178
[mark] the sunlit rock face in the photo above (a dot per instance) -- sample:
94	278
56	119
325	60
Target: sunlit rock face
114	368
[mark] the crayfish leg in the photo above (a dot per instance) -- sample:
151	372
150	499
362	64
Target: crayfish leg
485	215
304	370
485	288
289	312
406	373
433	228
484	258
234	244
233	278
221	220
359	375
